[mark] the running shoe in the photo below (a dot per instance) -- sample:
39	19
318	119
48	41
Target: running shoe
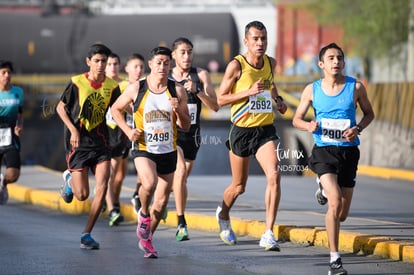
268	242
146	246
136	202
144	227
66	190
114	217
182	233
335	268
87	242
226	233
4	193
319	194
117	208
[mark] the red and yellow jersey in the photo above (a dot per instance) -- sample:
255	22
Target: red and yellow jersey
86	104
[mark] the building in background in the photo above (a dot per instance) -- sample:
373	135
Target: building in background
299	40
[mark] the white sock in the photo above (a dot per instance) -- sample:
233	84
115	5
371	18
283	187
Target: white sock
335	256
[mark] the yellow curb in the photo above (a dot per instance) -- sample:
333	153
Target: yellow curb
348	242
48	199
386	173
305	236
391	249
321	238
408	253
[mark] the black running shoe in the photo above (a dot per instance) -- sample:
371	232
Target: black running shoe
115	217
335	268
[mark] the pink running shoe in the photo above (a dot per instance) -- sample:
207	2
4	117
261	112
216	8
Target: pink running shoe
144	228
149	251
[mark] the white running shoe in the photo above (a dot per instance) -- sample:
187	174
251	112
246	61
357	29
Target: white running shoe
226	233
66	190
320	194
268	242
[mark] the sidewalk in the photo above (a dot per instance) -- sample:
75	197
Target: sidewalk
38	185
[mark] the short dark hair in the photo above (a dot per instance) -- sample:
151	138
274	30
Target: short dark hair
254	24
135	56
98	49
179	41
160	51
6	64
114	55
327	47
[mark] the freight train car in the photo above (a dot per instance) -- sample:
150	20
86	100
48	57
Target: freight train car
58	44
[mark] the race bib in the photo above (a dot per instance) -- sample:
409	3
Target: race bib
260	103
5	137
192	109
158	134
333	129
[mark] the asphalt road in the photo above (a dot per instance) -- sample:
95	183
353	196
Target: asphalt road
35	240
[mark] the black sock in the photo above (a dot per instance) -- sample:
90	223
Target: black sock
144	216
181	220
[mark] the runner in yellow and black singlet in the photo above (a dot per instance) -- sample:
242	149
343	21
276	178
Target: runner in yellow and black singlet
160	106
248	86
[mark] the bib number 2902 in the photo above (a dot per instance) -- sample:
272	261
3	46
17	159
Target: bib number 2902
333	129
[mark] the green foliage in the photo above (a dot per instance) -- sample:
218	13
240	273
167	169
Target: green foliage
373	28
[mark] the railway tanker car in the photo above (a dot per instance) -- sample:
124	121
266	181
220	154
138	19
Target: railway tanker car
57	44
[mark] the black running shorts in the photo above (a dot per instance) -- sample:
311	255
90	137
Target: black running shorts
190	143
339	160
11	158
120	151
119	143
80	159
245	142
166	163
